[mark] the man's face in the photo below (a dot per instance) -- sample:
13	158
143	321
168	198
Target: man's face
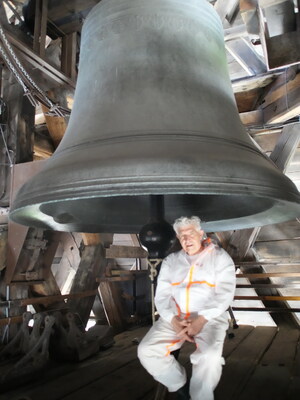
190	239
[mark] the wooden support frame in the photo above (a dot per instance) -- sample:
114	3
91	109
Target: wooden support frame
126	252
267	309
268	298
281	48
37	62
111	300
242	240
37	26
49	299
40	27
92	265
68	55
282	103
263	275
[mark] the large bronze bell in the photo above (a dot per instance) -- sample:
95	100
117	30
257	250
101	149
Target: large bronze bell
154	114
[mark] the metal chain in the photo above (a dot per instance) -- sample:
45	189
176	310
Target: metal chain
12	68
27	93
54	108
24	72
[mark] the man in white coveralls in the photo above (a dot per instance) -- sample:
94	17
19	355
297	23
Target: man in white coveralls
195	288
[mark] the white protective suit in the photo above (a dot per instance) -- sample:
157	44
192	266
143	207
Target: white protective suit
203	284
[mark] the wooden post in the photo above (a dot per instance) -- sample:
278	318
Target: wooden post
68	55
43	28
49	285
3	247
92	265
32	275
111	300
20	120
40	27
37	26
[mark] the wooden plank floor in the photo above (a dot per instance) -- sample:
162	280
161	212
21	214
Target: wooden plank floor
262	363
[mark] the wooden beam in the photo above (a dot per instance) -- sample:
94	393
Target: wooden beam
135	239
249	14
11	320
109	293
262	263
16	232
283	250
269	285
110	296
263	275
126	252
137	272
241	241
254	82
48	299
30	56
92	264
285	80
267	309
40	27
116	279
235	32
286	146
283	50
238	248
91	239
283	99
68	55
48	288
268	298
252	118
37	26
273	11
43	31
3	248
226	10
246	56
279	36
20	120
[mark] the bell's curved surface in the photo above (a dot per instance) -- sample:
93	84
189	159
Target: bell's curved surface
154	114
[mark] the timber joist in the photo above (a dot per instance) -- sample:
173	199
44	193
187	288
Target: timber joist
37	62
280	103
46	299
126	252
268	298
123	275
